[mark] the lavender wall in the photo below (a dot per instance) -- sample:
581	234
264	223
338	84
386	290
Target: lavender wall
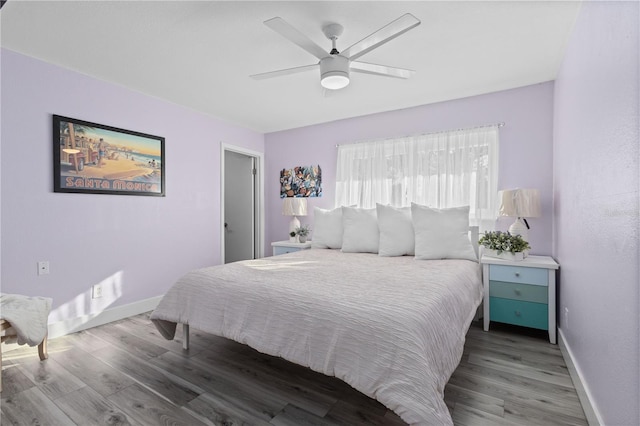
525	148
137	246
596	205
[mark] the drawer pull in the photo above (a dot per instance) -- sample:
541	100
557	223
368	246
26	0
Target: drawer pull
518	292
517	313
517	274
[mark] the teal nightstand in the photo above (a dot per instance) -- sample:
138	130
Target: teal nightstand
520	292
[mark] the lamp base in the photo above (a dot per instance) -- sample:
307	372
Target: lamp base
295	223
519	228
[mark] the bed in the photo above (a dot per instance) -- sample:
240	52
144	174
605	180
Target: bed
391	327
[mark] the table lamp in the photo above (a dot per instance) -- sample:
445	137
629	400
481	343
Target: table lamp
519	203
294	207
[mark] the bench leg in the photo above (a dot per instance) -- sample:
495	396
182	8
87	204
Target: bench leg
42	349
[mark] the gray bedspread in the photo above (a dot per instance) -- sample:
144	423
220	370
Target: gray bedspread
391	327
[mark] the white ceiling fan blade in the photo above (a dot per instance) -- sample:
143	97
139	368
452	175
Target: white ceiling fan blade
384	70
287	71
383	35
283	28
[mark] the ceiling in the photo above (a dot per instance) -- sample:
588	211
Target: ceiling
200	54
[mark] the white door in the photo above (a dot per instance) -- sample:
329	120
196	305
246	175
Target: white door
239	206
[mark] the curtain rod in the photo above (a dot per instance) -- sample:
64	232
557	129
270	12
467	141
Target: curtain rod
500	124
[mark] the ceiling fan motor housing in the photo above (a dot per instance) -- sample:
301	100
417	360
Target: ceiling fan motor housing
334	72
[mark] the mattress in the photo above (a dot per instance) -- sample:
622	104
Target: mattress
391	327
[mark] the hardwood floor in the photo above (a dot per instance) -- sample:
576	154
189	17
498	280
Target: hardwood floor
125	373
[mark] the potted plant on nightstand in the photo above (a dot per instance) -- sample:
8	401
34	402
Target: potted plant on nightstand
303	233
503	245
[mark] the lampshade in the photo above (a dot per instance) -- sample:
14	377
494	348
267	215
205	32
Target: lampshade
520	203
294	206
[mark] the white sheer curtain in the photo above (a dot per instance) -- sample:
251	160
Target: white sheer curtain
440	170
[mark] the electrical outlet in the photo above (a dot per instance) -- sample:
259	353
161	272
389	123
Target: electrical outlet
565	323
43	267
96	291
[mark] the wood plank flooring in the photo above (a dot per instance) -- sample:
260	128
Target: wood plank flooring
125	373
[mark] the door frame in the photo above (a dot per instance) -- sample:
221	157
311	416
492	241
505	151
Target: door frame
259	219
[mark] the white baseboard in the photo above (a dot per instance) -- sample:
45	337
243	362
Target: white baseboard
590	411
72	325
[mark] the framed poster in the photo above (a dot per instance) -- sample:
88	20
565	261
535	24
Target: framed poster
96	159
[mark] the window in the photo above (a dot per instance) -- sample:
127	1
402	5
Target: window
440	170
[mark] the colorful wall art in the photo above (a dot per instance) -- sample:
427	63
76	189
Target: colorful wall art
301	181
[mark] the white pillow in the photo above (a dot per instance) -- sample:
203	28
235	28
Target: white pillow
327	228
442	233
360	233
396	231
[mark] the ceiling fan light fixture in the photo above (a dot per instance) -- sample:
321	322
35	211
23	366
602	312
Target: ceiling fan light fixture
334	72
335	80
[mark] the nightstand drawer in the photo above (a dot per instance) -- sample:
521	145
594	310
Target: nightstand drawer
521	275
284	250
284	247
526	314
524	292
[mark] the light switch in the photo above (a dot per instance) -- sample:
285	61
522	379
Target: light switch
43	267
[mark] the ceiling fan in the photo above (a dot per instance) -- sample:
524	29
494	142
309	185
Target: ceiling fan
335	66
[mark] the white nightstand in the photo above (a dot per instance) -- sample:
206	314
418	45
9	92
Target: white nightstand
520	292
282	247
